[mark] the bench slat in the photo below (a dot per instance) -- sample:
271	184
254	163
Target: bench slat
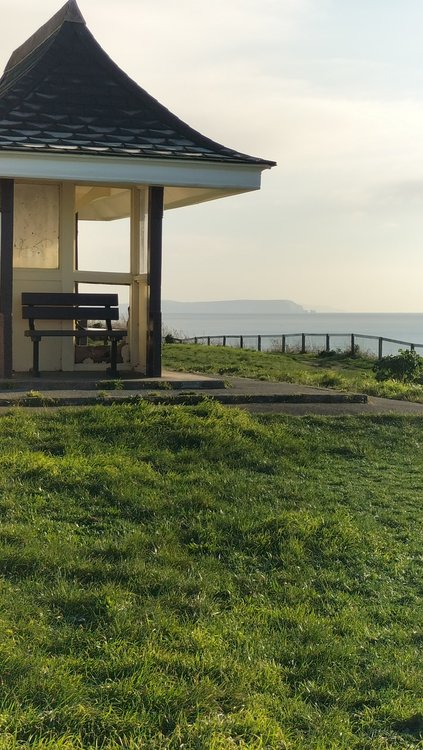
68	298
91	333
70	313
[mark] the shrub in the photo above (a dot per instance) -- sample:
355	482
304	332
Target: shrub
170	336
406	367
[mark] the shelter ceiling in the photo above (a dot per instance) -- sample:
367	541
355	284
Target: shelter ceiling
101	203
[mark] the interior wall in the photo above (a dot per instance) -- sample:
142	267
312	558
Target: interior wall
36	266
50	349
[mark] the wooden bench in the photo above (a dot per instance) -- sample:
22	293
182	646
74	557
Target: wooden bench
79	308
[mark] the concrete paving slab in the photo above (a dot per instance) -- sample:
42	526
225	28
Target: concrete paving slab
372	407
92	381
257	396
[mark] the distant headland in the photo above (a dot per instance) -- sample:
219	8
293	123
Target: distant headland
235	307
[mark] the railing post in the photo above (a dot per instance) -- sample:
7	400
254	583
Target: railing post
283	343
303	343
241	342
259	343
224	341
195	340
208	340
352	345
380	348
412	348
327	342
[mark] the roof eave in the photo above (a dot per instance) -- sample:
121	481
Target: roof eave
129	171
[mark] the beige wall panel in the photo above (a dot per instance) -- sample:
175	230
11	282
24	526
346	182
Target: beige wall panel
50	350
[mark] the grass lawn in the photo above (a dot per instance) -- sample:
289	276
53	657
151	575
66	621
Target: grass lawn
340	371
199	578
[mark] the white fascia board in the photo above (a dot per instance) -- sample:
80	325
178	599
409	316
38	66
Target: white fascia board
130	171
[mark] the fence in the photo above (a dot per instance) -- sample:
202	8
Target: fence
280	342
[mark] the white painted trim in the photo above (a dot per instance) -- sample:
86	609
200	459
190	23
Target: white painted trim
130	171
66	263
138	318
102	277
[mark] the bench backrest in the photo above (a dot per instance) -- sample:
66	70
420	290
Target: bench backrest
69	306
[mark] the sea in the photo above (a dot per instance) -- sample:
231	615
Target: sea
403	327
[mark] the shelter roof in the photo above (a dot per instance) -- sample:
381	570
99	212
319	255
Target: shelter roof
60	92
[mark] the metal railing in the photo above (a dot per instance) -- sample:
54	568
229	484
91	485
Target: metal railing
280	342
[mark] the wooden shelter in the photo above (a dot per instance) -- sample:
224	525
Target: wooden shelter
80	141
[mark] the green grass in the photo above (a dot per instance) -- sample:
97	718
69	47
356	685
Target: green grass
341	371
199	578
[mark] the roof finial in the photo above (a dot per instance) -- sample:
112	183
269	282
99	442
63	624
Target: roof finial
72	12
69	13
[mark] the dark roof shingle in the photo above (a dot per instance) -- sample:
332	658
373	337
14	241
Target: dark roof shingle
61	92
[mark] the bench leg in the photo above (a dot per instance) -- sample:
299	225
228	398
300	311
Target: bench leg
36	358
113	358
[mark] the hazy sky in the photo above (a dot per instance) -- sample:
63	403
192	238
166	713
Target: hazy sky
330	89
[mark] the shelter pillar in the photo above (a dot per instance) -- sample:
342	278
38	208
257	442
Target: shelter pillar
154	271
6	275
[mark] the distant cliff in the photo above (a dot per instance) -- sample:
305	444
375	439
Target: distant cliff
235	307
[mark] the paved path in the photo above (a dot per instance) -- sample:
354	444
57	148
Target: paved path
374	405
257	396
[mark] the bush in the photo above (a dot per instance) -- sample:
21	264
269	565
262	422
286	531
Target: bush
170	336
406	367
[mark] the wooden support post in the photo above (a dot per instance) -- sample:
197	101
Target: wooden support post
36	357
380	348
327	342
113	358
154	270
352	345
412	348
283	343
241	342
6	276
208	340
224	341
259	343
303	343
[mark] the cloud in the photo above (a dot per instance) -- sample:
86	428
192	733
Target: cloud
197	32
401	195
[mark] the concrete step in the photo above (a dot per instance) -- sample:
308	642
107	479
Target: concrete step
78	381
33	398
